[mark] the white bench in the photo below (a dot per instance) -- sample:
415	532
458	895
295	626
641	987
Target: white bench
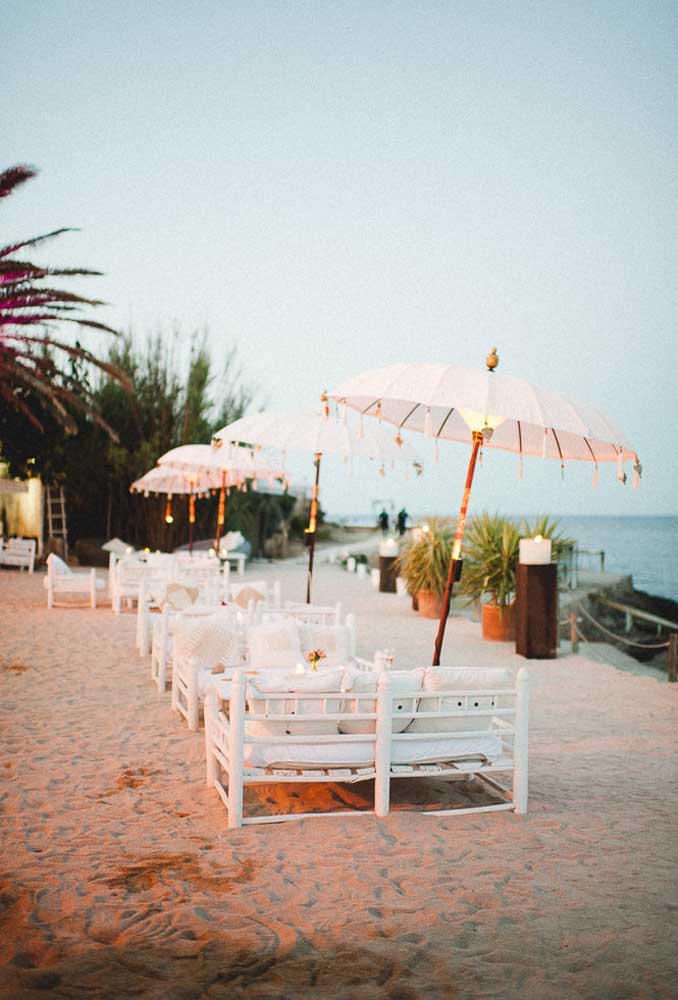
62	581
477	728
18	552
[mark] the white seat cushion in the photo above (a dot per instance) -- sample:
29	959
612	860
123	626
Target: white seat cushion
405	685
463	679
212	641
297	684
361	754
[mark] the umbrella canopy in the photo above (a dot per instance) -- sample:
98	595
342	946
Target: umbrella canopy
239	464
484	409
167	479
450	403
233	467
317	432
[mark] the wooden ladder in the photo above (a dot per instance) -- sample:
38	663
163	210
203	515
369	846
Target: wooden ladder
56	516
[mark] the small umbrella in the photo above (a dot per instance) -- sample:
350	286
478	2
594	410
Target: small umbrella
232	466
482	408
317	432
172	481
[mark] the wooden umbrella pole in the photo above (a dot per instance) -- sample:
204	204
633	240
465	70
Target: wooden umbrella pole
454	571
312	526
191	518
220	512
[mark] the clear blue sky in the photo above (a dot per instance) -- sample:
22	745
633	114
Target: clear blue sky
337	186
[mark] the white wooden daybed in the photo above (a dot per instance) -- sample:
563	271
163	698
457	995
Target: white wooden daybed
449	723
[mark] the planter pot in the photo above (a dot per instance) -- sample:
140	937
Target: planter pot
498	623
430	603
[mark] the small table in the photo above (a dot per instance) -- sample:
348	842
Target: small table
387	574
537	611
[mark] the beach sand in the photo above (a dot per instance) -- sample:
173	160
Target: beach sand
118	877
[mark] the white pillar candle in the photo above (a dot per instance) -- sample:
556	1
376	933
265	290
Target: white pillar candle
535	550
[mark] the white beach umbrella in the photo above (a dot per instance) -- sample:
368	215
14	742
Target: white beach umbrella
482	408
317	432
172	481
233	467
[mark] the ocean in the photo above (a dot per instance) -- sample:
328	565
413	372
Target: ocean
644	547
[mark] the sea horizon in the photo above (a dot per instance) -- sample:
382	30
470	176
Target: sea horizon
642	546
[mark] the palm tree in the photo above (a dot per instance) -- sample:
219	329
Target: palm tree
30	311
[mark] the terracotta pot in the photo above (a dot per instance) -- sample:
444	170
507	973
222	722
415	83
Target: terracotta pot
430	603
499	623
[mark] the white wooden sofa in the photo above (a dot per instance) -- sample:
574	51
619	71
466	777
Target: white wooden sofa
230	541
274	646
62	582
18	552
447	723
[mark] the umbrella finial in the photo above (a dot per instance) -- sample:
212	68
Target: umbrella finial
492	359
324	401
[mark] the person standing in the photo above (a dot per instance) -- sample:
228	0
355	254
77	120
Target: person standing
382	521
402	521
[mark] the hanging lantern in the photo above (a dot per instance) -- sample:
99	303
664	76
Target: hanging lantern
168	510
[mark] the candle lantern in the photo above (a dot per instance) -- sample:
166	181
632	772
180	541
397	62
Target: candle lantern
535	551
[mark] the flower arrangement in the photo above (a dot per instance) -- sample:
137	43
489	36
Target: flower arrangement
315	656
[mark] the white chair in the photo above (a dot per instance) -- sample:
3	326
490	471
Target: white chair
310	730
201	648
18	552
230	541
61	581
312	614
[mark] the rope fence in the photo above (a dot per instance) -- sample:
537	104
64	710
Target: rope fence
576	635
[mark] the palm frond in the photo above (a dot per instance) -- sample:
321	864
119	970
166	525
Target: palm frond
14	176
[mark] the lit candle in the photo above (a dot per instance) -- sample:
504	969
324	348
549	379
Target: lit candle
535	550
299	668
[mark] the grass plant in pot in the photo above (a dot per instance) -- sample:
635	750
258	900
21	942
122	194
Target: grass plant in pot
424	562
491	545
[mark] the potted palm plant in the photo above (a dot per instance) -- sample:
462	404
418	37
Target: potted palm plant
423	564
491	548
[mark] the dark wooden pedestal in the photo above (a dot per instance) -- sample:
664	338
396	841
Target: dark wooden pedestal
536	611
387	574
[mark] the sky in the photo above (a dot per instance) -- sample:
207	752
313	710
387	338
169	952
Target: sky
336	186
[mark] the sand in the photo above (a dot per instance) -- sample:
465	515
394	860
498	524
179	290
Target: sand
118	877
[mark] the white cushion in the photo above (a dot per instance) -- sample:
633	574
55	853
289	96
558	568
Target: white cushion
332	639
463	679
178	596
231	540
345	753
297	684
211	642
274	644
117	546
405	684
58	566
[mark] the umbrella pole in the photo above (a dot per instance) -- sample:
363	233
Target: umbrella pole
454	571
191	519
220	512
311	530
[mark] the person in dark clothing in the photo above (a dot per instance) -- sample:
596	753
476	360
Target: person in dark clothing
382	521
402	521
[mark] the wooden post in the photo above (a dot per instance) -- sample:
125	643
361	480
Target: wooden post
455	562
312	527
520	743
673	657
573	631
236	733
382	745
220	512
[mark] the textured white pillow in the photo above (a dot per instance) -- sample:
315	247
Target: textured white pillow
212	642
274	644
297	684
178	596
404	684
463	679
332	639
